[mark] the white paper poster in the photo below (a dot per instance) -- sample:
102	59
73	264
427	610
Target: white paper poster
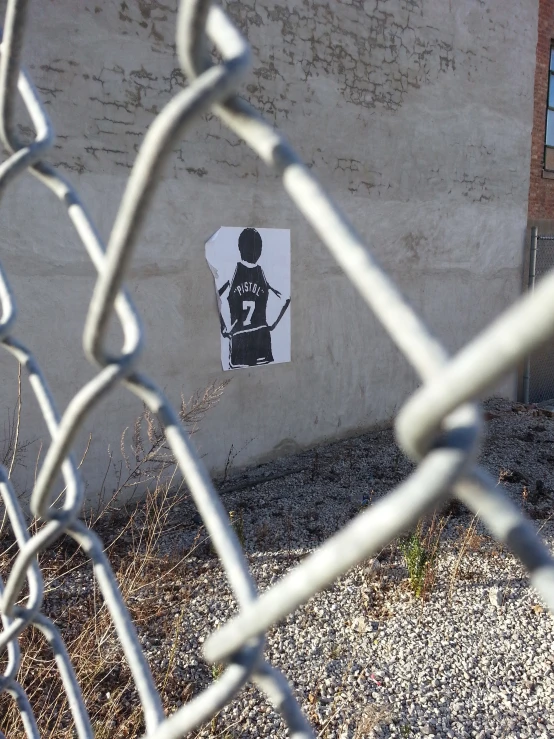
251	269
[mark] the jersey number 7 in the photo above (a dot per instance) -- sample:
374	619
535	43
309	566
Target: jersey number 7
248	305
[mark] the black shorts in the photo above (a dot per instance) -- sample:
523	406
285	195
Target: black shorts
250	348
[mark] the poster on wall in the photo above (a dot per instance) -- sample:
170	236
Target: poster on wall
251	269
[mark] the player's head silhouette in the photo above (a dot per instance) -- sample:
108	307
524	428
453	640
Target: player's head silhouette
250	245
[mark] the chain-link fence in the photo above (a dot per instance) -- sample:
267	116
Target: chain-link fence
539	370
439	426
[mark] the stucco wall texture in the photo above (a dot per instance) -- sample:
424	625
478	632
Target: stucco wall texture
417	116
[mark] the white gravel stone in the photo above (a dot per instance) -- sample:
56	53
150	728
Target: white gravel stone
365	658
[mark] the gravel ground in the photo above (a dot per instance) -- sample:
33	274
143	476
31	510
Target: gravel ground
474	658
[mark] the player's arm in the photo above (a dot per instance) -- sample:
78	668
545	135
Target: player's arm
281	314
284	307
224	330
273	290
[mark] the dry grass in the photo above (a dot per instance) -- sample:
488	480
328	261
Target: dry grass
372	716
160	589
468	541
149	583
153	586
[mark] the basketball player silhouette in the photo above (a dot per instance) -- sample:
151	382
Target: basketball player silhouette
249	335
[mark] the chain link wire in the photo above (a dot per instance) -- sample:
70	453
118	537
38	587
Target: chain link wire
439	426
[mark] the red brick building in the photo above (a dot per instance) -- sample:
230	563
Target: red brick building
541	186
541	191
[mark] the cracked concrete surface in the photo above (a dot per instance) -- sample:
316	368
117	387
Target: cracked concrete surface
416	114
375	63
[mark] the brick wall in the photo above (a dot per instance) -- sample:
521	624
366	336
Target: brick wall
541	188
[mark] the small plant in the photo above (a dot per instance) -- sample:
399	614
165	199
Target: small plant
420	551
231	456
228	463
288	522
237	523
315	466
468	541
148	458
217	671
262	534
372	716
366	500
507	475
416	557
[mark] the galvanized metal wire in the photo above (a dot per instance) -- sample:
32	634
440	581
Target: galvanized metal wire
439	426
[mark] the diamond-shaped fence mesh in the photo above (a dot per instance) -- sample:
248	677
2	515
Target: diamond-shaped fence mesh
439	427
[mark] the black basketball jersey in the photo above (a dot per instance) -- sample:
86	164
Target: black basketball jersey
248	296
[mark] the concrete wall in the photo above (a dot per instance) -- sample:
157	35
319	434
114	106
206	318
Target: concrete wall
416	114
